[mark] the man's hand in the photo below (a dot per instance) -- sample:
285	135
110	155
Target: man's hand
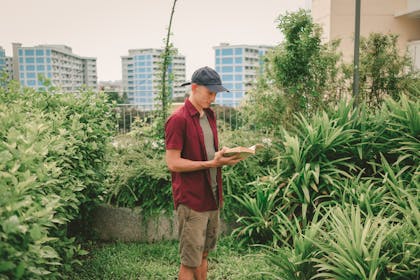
220	160
177	164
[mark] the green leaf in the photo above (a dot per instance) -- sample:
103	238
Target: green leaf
35	232
6	266
11	225
5	156
20	270
48	253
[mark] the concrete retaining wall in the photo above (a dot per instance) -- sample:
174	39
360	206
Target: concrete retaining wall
125	224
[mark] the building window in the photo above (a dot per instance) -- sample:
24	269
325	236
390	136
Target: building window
31	83
238	51
227	69
227	51
238	68
227	78
29	60
30	68
238	60
29	52
30	75
229	86
39	52
238	77
40	60
227	60
217	52
227	95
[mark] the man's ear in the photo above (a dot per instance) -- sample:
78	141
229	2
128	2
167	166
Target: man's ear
194	87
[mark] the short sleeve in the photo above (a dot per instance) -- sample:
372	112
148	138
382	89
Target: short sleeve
175	132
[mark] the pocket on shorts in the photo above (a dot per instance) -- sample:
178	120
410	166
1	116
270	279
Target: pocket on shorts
183	212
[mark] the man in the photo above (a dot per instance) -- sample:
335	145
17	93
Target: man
195	163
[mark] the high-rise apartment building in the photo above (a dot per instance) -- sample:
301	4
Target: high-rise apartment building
6	65
239	67
401	17
9	67
141	78
57	63
2	59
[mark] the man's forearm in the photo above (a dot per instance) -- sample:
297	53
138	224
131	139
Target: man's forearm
186	165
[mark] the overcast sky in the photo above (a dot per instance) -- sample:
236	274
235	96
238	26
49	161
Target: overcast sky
107	29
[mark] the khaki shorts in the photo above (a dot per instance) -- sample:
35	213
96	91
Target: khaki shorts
197	234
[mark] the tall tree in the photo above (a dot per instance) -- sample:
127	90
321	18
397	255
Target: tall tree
383	70
301	75
302	66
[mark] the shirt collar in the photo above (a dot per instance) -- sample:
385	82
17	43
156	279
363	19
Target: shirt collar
194	112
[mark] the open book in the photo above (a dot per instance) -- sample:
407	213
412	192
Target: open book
243	152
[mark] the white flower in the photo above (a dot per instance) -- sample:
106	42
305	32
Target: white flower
155	145
267	141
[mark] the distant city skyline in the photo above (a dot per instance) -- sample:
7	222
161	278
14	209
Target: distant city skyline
108	29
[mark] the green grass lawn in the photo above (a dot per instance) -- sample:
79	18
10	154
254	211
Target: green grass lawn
161	261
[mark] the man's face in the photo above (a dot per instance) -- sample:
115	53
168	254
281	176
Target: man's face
203	97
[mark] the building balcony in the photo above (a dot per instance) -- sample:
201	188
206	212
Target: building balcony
412	10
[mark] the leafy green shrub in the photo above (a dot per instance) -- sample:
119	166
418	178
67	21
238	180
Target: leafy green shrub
236	178
404	250
347	244
384	72
352	245
295	258
259	223
340	161
315	161
52	149
264	108
138	175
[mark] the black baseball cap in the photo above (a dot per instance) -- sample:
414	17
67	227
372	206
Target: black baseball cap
207	77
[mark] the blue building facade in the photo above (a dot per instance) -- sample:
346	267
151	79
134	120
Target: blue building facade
238	66
2	59
57	63
34	62
142	74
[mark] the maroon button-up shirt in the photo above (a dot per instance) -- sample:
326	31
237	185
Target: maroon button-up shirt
183	132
